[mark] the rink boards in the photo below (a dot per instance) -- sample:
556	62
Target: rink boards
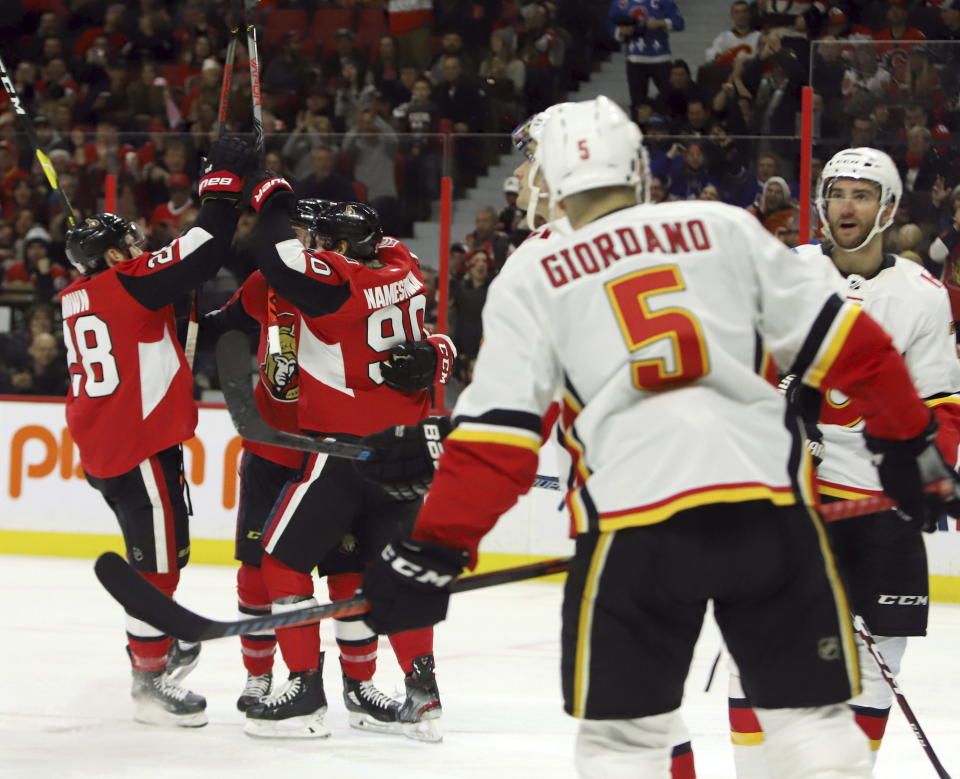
47	509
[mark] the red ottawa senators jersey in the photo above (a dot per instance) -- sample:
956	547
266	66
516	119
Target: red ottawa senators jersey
278	385
339	353
131	392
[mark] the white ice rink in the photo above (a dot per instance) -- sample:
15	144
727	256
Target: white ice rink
65	705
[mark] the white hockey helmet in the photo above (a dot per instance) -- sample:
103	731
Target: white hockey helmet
589	145
524	137
865	164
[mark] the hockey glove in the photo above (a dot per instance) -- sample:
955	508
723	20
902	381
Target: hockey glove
406	457
407	585
906	467
258	187
418	365
230	159
805	402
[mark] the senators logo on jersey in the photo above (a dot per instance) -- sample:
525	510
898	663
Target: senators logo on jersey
279	371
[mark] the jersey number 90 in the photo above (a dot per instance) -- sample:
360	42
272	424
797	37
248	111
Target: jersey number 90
641	326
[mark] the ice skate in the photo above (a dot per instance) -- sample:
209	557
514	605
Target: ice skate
158	700
420	712
296	710
256	688
369	708
182	658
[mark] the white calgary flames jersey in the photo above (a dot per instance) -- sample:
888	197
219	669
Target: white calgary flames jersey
651	323
913	307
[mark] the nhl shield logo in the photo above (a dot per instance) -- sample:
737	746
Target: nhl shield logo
828	648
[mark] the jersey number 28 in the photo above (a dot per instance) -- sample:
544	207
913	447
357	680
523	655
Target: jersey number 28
100	375
641	326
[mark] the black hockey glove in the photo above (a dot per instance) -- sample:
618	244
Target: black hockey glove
418	365
258	187
230	159
407	585
406	457
805	402
906	467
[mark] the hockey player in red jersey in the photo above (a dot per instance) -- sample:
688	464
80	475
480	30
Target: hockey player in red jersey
881	558
130	404
640	315
364	359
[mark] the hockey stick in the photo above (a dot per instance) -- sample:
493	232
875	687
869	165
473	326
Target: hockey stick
144	601
27	126
236	381
864	632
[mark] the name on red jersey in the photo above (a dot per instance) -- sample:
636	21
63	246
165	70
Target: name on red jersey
591	257
74	303
394	292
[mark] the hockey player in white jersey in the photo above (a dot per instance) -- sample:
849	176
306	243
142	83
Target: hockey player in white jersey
882	559
691	484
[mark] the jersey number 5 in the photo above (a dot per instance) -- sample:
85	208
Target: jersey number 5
96	360
640	326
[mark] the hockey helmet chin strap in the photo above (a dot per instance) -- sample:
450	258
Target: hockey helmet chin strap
535	195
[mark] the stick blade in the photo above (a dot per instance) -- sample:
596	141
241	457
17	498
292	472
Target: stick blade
142	600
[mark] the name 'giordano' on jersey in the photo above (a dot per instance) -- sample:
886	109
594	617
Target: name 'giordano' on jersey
592	256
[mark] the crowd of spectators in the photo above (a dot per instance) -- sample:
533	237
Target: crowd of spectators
364	102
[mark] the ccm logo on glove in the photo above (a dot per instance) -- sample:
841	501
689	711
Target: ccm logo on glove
413	571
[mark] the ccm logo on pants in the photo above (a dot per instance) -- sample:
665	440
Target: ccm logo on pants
903	600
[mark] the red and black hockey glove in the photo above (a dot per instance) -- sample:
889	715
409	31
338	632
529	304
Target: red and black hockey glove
406	457
230	159
258	187
906	467
418	365
407	585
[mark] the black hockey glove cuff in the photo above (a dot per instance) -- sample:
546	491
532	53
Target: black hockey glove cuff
805	402
906	468
406	457
407	586
230	159
258	188
417	365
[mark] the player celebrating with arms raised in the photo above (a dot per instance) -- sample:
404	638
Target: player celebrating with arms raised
647	318
130	404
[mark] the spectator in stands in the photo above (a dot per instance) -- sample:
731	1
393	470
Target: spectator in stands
907	242
777	99
22	196
679	91
709	192
44	371
918	81
322	181
866	74
689	174
287	76
541	51
467	300
644	27
739	42
310	131
486	236
451	45
456	261
384	71
167	216
152	40
503	48
897	28
418	120
37	271
726	161
919	164
348	91
950	17
775	210
10	174
458	101
508	217
698	119
372	144
39	318
345	48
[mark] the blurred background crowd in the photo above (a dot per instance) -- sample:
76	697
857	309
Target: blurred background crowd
374	100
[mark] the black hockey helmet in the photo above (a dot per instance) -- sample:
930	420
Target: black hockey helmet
308	211
356	223
87	241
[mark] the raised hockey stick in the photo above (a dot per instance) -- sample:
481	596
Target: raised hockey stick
864	632
234	365
27	126
144	601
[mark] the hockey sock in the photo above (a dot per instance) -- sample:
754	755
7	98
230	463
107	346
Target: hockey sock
746	735
257	648
411	644
358	644
290	589
681	762
148	646
873	722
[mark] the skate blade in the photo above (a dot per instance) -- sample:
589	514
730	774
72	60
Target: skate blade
362	721
425	730
183	671
306	726
147	714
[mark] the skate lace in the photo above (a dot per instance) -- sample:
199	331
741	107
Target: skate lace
257	685
287	693
170	689
376	697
